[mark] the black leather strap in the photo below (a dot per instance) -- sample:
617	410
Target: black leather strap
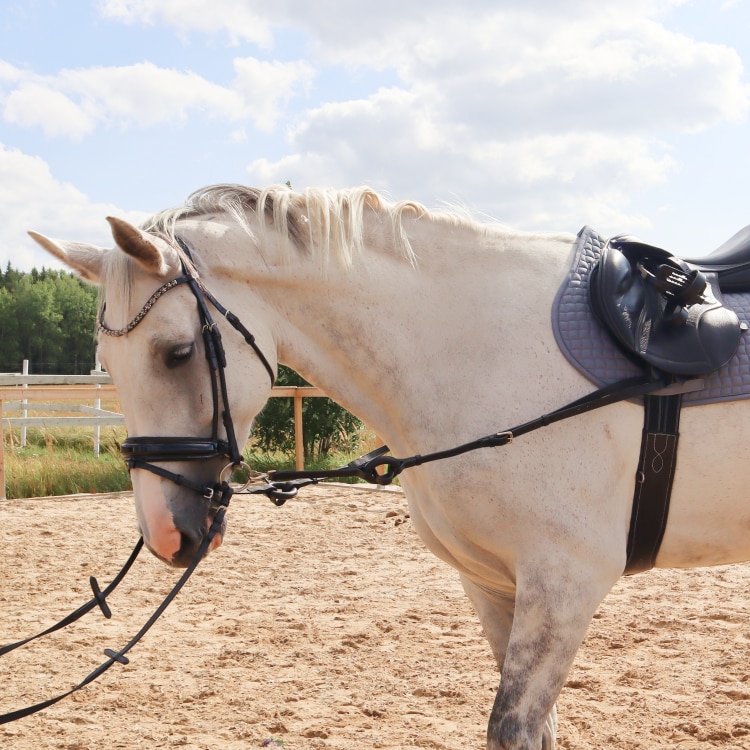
173	448
378	468
653	481
100	600
118	657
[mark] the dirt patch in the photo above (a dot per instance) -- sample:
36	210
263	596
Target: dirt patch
326	624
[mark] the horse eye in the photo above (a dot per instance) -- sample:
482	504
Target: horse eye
180	354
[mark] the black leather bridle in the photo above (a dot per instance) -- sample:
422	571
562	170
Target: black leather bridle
142	452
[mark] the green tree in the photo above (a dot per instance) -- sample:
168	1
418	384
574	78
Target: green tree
326	425
10	353
38	321
48	318
76	302
9	279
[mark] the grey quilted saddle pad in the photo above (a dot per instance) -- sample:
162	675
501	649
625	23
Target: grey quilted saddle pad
590	348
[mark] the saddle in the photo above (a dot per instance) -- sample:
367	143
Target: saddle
658	312
668	311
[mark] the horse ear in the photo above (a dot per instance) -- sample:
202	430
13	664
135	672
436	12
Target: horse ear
85	260
151	252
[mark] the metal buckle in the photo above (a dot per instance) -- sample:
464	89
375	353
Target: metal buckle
253	476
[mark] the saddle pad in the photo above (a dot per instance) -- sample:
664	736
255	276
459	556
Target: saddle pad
590	348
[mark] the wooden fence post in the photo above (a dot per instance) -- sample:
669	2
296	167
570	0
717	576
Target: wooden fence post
299	442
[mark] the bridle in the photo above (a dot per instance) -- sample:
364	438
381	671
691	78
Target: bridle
143	452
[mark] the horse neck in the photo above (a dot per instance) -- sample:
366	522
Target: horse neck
387	339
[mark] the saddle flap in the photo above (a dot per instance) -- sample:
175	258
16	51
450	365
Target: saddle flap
661	309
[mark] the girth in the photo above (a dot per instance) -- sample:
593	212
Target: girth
653	481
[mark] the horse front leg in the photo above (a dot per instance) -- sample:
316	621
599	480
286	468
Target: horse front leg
495	612
551	613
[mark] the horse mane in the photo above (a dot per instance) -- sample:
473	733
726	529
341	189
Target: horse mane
323	222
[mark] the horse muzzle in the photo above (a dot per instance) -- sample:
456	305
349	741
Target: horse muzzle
191	539
175	528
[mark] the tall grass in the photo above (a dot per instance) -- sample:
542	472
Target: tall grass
60	461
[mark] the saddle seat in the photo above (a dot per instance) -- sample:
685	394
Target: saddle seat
730	262
668	311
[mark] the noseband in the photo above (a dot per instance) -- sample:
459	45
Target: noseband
141	452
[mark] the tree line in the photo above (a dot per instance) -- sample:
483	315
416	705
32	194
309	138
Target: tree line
48	317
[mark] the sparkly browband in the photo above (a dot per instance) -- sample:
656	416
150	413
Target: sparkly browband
101	328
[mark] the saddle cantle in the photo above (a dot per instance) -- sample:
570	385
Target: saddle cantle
665	310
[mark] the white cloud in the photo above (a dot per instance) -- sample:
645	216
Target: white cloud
31	198
234	17
569	103
512	178
74	103
266	86
533	65
36	105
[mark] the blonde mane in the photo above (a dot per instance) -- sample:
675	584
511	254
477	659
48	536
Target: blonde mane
323	222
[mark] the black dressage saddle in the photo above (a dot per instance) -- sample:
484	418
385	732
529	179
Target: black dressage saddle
668	311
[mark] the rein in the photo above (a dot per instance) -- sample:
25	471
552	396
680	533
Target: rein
100	599
368	467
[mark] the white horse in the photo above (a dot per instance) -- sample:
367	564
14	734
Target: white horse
434	330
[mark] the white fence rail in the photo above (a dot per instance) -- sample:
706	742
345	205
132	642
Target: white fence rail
20	392
95	417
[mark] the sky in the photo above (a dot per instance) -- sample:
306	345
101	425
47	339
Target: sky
629	116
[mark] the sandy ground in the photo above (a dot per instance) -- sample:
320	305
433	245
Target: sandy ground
326	624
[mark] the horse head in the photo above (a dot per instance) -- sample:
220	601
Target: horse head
161	351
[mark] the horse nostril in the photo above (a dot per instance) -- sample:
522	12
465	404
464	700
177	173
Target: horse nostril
188	548
191	540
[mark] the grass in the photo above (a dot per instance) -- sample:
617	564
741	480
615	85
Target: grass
60	461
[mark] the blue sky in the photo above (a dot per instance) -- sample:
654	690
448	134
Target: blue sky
629	116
